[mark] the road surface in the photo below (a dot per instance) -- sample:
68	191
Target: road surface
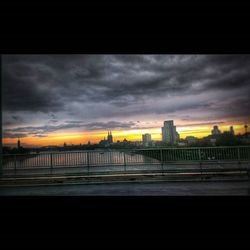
134	189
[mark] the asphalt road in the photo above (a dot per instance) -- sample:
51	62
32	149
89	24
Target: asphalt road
134	189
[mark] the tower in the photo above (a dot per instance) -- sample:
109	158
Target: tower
18	144
110	137
232	130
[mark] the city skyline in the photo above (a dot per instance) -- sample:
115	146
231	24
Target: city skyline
52	99
140	137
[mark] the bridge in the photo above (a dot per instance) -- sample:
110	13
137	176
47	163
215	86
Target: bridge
191	161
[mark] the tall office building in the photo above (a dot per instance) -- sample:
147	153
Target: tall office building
215	130
146	138
169	133
18	144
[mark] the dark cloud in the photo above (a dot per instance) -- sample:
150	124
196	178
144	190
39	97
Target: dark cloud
27	94
14	135
54	120
236	108
201	124
41	131
16	118
40	136
12	120
122	85
109	125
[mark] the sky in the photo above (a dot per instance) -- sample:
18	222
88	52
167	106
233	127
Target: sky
52	99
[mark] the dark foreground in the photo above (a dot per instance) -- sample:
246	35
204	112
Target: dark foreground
121	189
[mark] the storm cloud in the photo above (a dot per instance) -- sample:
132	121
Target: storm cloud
41	131
104	91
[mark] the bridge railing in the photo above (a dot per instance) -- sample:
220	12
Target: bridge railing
74	159
199	153
122	160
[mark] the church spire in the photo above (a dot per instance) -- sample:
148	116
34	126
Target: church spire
18	143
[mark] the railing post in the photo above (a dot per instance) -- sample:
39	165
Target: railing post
15	166
124	158
199	154
238	153
88	161
51	164
200	163
161	160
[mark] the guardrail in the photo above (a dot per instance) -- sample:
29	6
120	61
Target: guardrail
164	159
199	153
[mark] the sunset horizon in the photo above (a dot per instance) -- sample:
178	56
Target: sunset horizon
73	99
76	138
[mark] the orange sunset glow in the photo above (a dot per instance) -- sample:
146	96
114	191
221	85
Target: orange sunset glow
58	139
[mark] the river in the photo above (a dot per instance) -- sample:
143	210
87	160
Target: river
78	159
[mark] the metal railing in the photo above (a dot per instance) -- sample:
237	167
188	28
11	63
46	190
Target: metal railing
164	159
199	153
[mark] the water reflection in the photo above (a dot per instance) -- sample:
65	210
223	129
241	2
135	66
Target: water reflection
79	158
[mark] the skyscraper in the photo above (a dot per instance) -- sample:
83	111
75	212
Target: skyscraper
169	133
146	138
18	144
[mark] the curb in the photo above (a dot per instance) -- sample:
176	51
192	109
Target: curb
121	178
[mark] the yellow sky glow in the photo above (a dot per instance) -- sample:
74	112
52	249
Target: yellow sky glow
131	135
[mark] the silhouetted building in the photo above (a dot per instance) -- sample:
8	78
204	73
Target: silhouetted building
245	138
103	142
108	141
18	144
246	128
215	130
213	141
169	133
191	139
146	139
232	130
110	137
